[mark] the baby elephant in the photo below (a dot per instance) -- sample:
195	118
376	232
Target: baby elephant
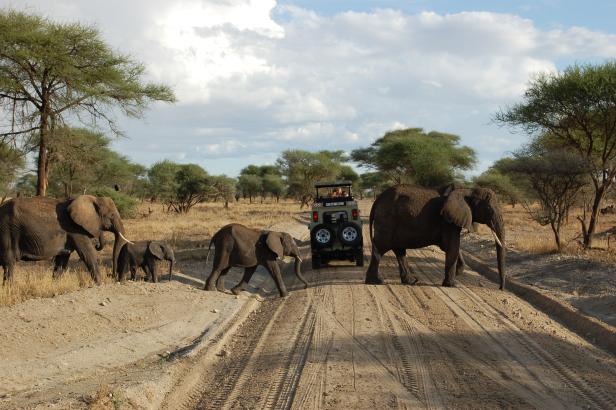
239	246
144	254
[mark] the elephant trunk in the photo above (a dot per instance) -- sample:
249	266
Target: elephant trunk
171	262
101	241
298	270
498	230
119	241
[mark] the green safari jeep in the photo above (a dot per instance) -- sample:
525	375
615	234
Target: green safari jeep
336	226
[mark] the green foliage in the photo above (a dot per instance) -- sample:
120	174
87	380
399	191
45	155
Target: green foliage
26	185
411	155
80	160
191	187
222	187
11	161
575	109
250	185
162	184
374	182
126	204
501	183
303	169
52	71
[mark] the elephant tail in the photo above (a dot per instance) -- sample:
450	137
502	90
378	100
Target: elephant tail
207	256
371	225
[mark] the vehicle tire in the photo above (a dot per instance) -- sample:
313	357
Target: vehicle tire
321	236
359	257
316	261
349	234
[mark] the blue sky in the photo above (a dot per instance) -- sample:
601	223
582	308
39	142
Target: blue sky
255	77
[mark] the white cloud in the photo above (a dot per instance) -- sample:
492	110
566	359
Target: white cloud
254	79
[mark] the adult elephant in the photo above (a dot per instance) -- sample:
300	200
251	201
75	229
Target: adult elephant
240	246
41	228
410	217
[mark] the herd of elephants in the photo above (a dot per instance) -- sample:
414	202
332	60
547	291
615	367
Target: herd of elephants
402	217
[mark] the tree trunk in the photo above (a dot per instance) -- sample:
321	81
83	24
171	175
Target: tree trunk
556	231
594	215
41	185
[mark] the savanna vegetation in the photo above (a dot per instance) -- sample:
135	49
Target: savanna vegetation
61	87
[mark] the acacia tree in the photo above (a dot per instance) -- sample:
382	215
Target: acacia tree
303	169
50	72
577	108
554	178
411	155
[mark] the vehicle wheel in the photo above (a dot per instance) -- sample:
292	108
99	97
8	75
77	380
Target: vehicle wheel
349	234
359	257
321	236
316	261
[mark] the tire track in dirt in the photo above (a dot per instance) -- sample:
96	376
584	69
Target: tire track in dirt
231	373
520	348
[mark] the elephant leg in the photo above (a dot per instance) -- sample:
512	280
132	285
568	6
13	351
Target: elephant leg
220	282
372	274
87	253
221	262
248	272
406	276
133	273
9	268
452	253
460	265
274	270
151	264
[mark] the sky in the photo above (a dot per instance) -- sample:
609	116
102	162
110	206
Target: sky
256	77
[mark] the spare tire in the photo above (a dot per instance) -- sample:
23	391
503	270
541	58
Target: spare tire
349	234
321	236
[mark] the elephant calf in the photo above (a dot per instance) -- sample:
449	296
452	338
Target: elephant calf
144	254
239	246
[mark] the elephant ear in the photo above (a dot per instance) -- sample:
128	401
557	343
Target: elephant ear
456	210
83	212
156	249
274	243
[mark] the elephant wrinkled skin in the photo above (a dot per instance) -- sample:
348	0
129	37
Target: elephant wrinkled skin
409	217
39	228
144	254
239	246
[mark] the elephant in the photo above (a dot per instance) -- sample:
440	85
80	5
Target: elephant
144	254
40	228
410	217
239	246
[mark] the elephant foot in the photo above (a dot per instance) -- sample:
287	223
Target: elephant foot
449	284
221	289
374	280
409	280
236	290
209	288
284	294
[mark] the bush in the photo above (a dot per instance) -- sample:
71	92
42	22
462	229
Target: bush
126	204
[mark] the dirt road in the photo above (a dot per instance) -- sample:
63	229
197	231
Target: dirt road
342	344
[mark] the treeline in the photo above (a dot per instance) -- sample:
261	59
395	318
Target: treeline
81	161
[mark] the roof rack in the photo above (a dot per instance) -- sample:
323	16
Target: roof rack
332	184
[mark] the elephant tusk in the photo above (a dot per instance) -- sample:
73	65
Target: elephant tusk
496	239
124	237
299	258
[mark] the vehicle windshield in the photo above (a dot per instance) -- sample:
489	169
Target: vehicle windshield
332	192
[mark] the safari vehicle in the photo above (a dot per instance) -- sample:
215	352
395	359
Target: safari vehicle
336	227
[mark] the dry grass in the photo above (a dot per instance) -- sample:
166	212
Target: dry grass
524	234
34	280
